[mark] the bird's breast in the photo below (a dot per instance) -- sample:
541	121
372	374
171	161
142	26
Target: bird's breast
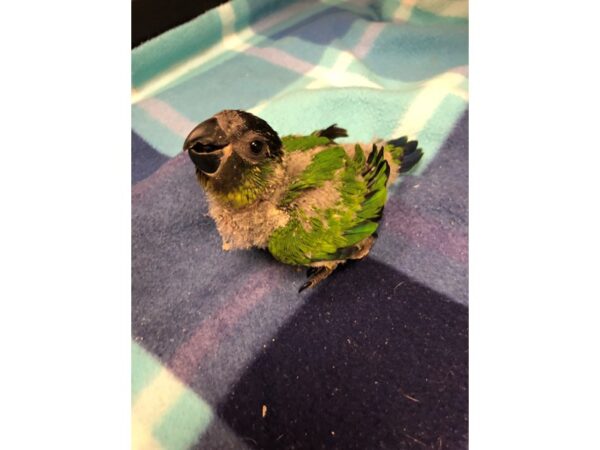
247	227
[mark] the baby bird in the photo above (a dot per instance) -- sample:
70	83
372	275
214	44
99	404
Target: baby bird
308	200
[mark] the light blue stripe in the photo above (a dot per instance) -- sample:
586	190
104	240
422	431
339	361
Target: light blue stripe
253	41
366	113
190	39
174	46
438	128
156	134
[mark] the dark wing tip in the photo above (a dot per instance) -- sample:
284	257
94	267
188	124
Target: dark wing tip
371	156
399	142
411	153
332	132
410	159
410	147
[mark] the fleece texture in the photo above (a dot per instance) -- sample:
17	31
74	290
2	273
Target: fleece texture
226	353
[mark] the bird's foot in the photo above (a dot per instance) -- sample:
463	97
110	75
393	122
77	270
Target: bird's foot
315	276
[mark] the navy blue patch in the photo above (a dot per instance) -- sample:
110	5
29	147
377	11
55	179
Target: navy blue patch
144	159
372	360
321	28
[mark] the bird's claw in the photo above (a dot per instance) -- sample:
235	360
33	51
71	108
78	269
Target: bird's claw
315	276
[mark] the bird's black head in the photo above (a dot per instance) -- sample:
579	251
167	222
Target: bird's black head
230	142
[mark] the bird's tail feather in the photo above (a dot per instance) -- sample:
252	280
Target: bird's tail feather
405	153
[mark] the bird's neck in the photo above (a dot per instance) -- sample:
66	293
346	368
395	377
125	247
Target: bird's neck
247	188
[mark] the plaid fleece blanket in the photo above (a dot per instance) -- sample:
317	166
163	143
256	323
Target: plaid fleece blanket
225	353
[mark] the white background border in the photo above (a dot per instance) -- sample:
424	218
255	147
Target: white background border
534	226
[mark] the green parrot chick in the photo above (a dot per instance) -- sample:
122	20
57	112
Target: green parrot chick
308	200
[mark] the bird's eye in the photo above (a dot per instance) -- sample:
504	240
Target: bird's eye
256	147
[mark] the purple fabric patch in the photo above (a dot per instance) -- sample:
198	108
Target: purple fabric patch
321	28
145	160
424	231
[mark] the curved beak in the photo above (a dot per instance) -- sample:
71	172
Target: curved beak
205	145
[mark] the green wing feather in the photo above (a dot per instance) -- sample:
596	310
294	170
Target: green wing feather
332	233
303	143
325	136
320	170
